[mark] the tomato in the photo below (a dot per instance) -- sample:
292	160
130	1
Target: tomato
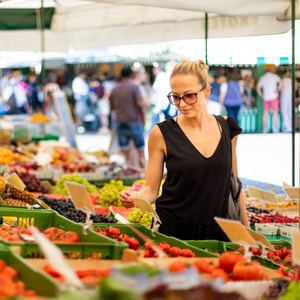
177	267
148	244
3	234
254	251
10	272
125	238
205	266
103	273
5	228
242	249
174	252
14	238
220	273
247	271
165	247
26	231
2	265
186	253
85	273
74	235
228	259
147	253
51	271
284	251
133	243
114	231
53	231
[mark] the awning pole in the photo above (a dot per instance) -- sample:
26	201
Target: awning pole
206	36
42	24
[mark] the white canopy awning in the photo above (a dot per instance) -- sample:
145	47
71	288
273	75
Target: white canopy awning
94	24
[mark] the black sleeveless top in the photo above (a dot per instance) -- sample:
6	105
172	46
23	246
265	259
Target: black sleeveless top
196	188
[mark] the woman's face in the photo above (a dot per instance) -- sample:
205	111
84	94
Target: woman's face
187	84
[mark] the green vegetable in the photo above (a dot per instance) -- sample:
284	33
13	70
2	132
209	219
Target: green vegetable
293	292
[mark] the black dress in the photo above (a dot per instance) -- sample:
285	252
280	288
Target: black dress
196	188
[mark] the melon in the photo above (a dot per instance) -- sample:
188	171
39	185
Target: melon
123	211
104	211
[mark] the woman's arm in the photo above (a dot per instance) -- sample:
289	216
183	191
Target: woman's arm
156	149
235	169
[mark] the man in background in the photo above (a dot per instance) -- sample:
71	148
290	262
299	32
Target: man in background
126	100
268	88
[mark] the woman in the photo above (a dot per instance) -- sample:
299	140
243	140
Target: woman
231	95
197	159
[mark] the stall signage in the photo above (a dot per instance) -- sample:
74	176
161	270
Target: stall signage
145	206
259	238
292	192
262	195
236	232
15	180
79	196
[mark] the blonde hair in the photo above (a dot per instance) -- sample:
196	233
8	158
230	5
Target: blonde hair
197	68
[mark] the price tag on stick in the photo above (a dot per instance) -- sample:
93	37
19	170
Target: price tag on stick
262	195
259	238
292	192
296	245
15	180
79	196
236	232
145	206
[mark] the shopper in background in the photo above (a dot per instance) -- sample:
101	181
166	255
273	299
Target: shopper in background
81	95
32	93
197	157
126	100
268	88
286	102
160	103
213	104
50	88
231	95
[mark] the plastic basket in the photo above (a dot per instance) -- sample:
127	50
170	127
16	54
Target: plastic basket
157	238
89	244
209	245
34	279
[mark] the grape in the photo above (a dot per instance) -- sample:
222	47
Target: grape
139	216
109	193
61	189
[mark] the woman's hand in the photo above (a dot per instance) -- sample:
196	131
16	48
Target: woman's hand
125	198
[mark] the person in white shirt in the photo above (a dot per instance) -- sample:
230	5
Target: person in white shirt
81	95
268	88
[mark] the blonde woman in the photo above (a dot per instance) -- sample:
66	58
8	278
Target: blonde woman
197	157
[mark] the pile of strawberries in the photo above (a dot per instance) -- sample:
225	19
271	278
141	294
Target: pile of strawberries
21	234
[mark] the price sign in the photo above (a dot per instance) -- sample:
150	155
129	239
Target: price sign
296	245
48	186
236	232
79	196
292	192
259	238
145	206
15	180
262	195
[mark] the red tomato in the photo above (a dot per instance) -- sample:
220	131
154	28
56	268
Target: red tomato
133	243
254	251
147	253
3	234
51	271
53	231
165	247
73	235
186	253
177	267
114	231
14	238
242	249
5	228
125	238
205	266
174	251
228	259
247	271
148	245
284	251
220	273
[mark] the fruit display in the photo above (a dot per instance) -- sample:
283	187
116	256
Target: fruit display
114	170
32	183
90	276
8	156
20	234
271	218
109	193
281	256
101	156
63	155
20	194
61	189
138	216
11	285
39	118
82	167
282	203
66	208
12	201
25	166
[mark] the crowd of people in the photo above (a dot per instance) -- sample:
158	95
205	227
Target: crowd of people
123	104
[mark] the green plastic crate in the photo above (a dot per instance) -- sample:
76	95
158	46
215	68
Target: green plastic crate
88	245
157	238
281	244
126	181
208	245
34	279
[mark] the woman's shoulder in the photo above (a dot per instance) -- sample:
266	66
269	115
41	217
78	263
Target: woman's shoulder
234	127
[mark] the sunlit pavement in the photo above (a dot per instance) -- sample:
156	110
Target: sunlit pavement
261	157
